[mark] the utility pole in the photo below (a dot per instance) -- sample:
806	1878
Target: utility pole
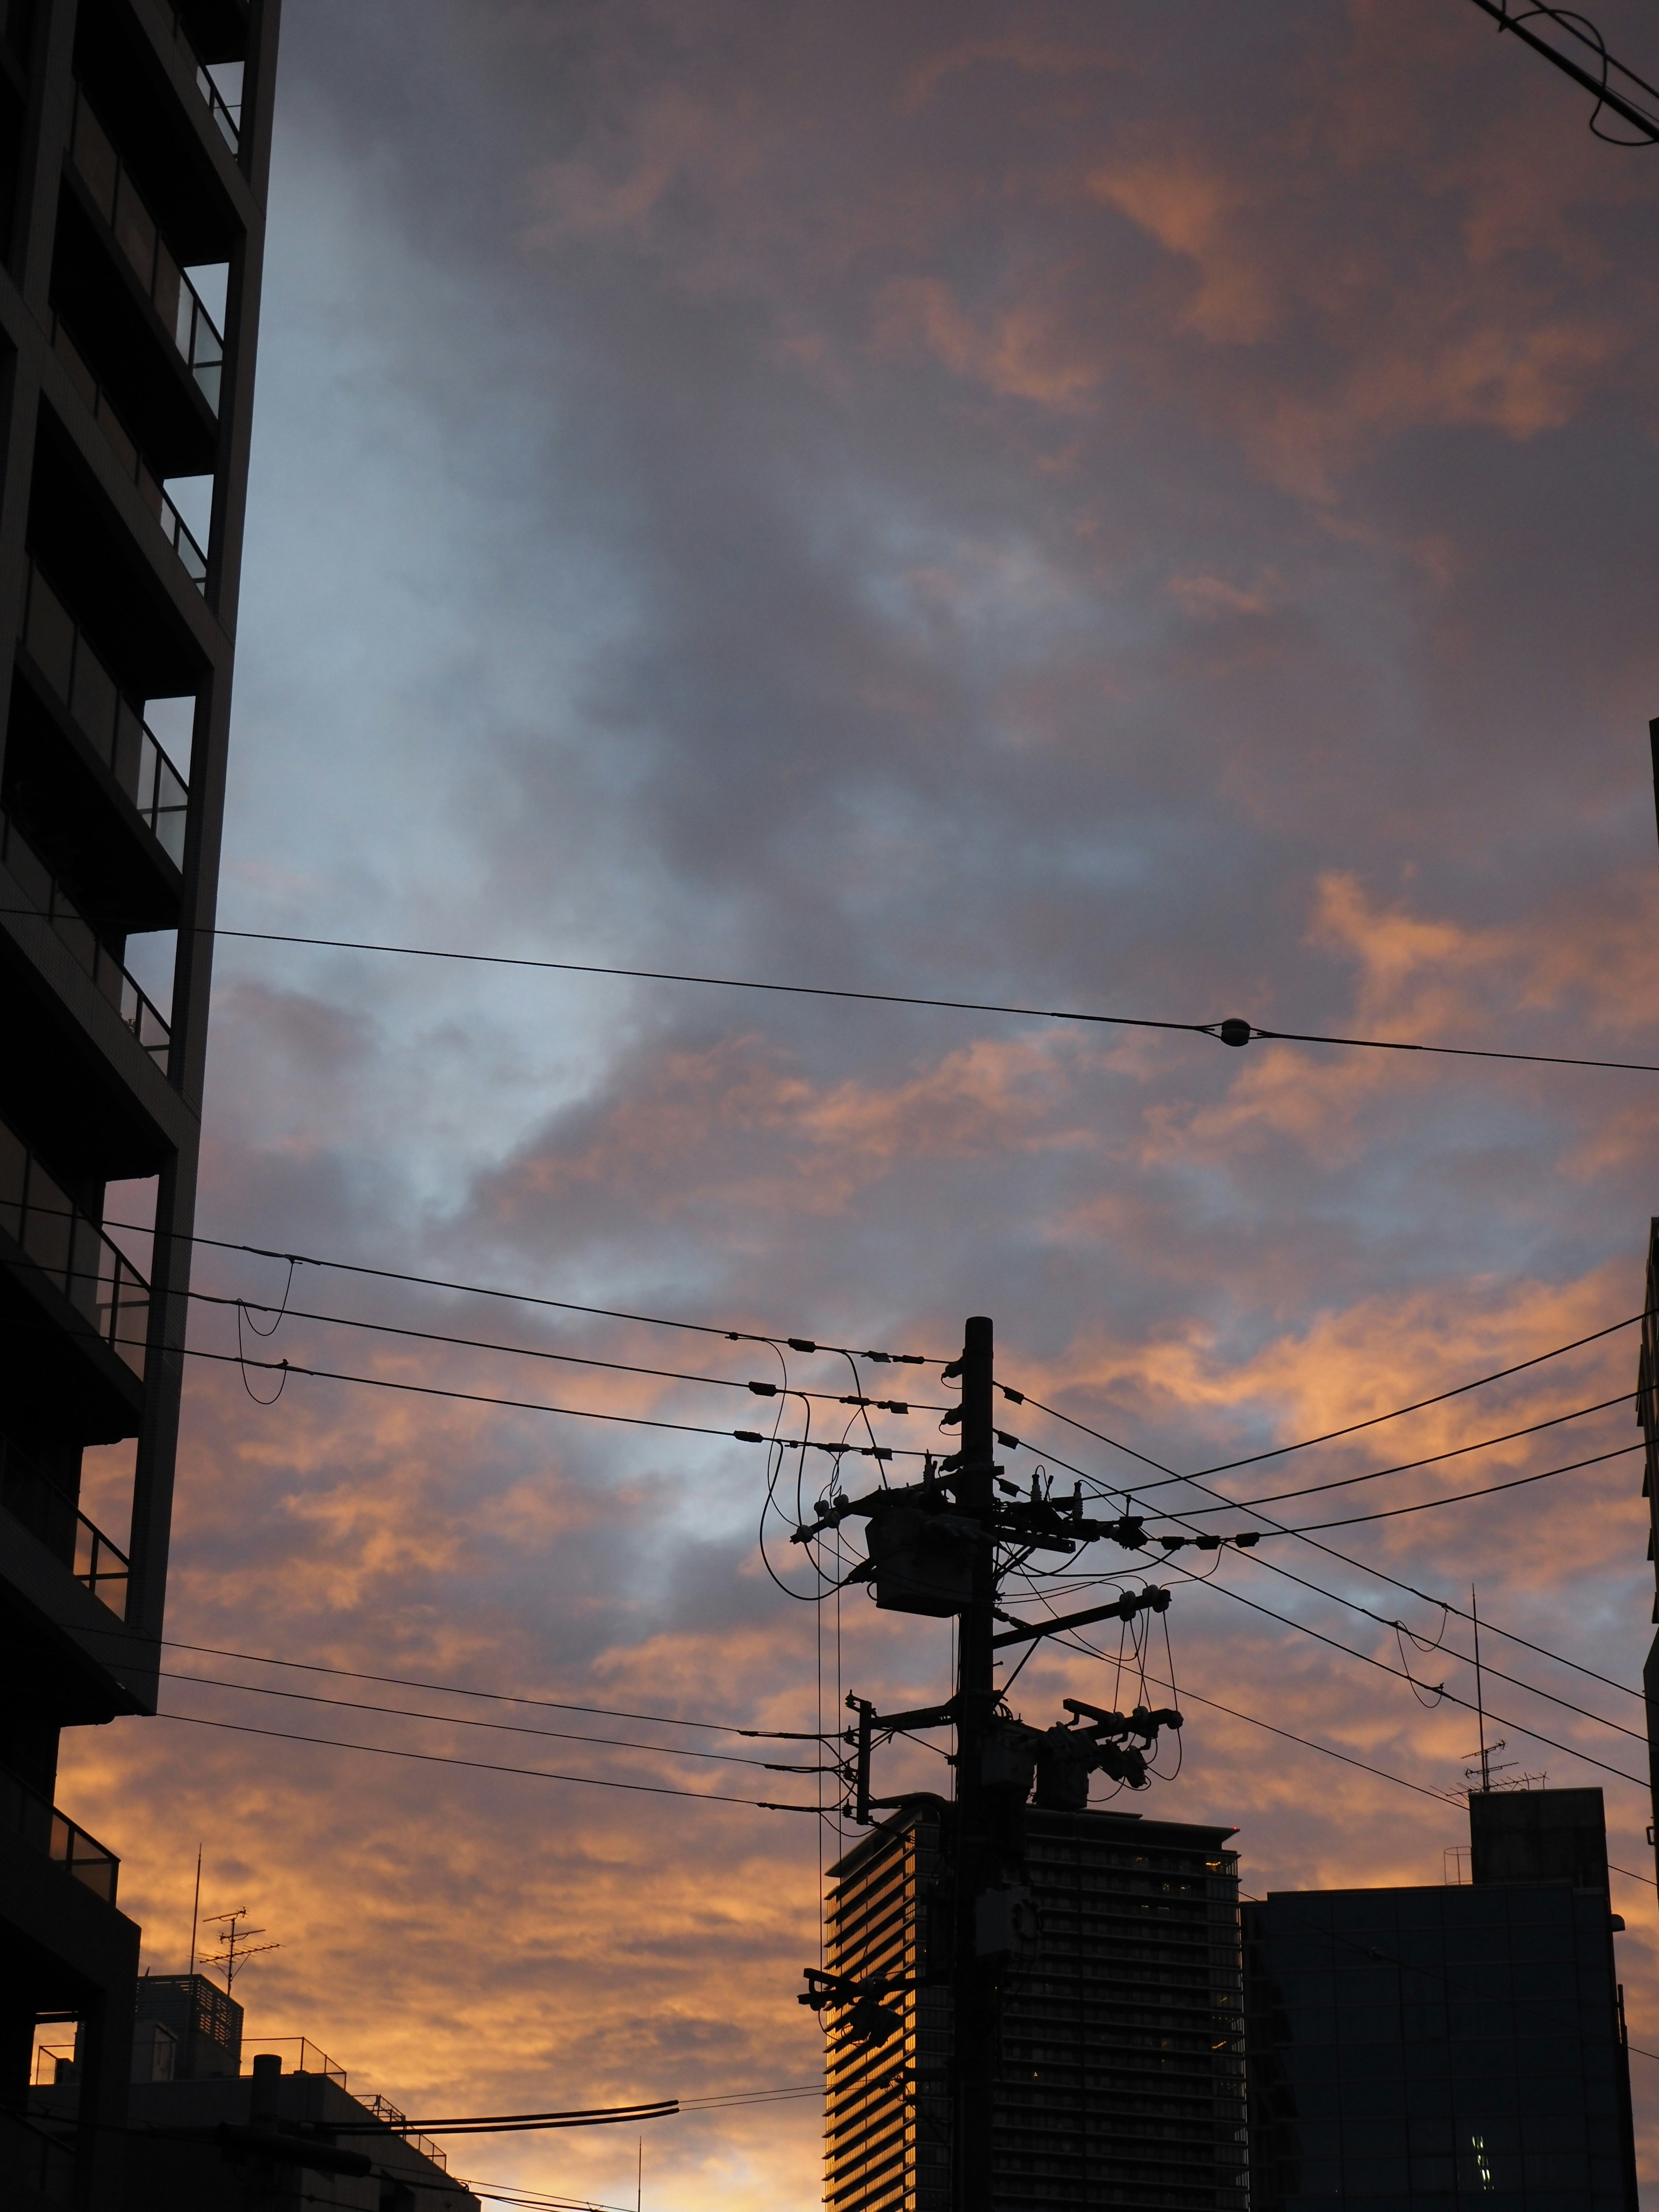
933	1552
974	2057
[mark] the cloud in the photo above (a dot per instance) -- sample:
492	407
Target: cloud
1148	514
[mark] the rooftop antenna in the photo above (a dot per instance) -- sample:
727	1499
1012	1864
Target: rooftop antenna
1479	1697
237	1950
195	1911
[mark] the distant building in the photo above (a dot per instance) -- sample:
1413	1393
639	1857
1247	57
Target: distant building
1120	2079
1410	2049
204	2135
1647	1413
135	140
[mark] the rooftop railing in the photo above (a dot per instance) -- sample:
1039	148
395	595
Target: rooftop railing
138	1013
312	2058
133	465
73	1253
30	1495
118	733
174	296
383	2109
38	1821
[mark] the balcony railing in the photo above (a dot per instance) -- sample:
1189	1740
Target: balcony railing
39	1821
133	465
384	2110
138	1013
174	296
30	1495
73	1252
118	733
226	113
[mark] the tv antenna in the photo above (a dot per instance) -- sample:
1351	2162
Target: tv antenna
234	1949
1485	1769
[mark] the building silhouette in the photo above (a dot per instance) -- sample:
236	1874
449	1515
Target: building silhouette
1647	1413
1120	2075
286	2133
1413	2049
134	153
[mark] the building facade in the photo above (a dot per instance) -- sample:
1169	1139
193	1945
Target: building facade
1413	2049
204	2134
1120	2075
135	140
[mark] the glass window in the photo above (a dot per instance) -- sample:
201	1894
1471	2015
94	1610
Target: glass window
1556	2169
1432	2176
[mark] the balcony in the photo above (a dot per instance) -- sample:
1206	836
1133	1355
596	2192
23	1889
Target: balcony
138	1013
118	732
132	463
73	1253
36	1818
31	1496
170	291
226	113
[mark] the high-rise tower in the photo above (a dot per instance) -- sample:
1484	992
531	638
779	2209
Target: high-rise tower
135	140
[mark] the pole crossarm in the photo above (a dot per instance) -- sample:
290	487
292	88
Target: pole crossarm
1124	1609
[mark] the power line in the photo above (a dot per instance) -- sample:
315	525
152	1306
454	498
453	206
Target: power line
536	1351
1330	1436
1353	1605
287	1367
1343	1558
1404	1466
1644	120
1232	1031
1448	1697
1461	1497
487	1766
462	1720
523	1297
496	1696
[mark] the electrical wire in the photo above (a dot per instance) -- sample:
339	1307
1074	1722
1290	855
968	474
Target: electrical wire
461	1690
1353	1605
517	1297
486	1766
1345	1558
535	1352
484	1398
1232	1031
1329	1436
1405	1467
1450	1697
1644	120
464	1720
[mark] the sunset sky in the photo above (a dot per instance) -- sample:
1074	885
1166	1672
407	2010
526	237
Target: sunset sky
1147	510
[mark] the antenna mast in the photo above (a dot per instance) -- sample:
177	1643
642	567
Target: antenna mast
1479	1696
